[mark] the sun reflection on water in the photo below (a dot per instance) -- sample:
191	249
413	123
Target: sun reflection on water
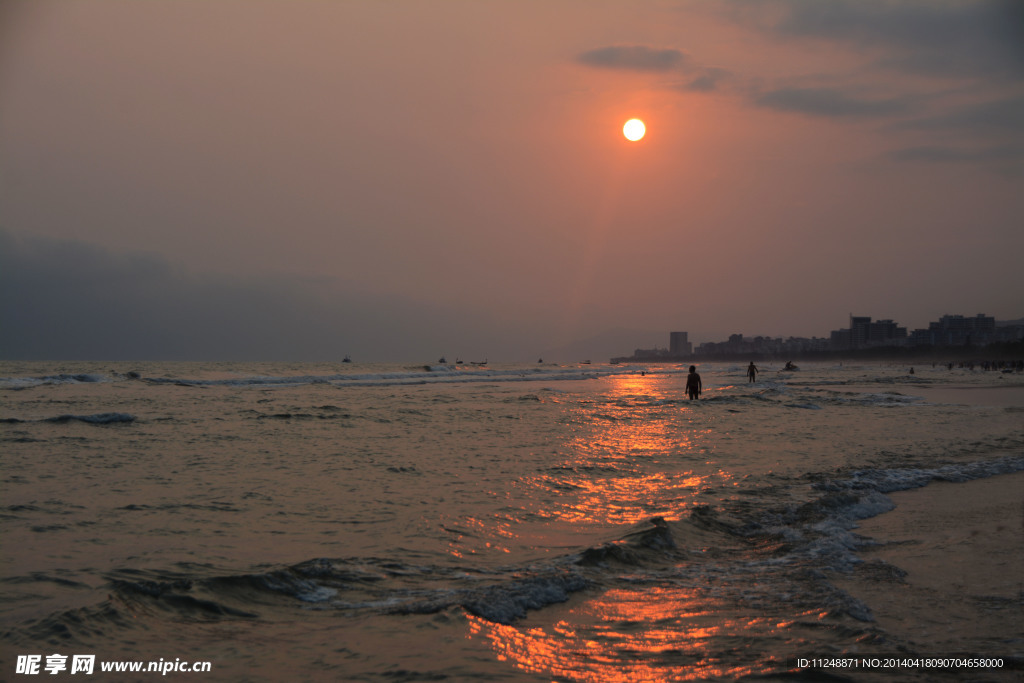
641	450
628	499
658	634
637	453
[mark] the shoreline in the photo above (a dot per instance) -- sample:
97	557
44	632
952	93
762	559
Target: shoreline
1009	395
945	575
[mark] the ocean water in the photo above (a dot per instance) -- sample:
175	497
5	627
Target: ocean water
511	523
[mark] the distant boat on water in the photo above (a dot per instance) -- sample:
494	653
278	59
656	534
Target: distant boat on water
346	359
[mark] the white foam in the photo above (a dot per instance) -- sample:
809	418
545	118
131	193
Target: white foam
432	374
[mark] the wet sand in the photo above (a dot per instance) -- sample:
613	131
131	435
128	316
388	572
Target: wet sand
948	573
1010	394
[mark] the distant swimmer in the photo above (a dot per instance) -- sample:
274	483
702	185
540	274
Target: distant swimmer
751	372
693	385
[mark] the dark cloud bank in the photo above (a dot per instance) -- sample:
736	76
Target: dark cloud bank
982	39
75	301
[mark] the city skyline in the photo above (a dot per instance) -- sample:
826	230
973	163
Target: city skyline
864	333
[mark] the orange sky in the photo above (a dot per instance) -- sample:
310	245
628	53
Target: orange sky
417	178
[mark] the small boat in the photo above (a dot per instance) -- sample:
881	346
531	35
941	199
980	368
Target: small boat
790	366
442	360
584	362
481	362
346	359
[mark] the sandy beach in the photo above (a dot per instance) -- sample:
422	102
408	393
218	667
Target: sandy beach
956	550
1007	394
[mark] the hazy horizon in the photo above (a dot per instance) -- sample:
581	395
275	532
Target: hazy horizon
400	181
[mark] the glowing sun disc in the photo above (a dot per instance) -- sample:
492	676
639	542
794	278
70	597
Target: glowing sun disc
634	129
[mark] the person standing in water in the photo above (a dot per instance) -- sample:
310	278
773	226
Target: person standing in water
751	372
693	384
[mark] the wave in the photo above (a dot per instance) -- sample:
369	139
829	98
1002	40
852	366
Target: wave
80	625
770	389
901	479
707	545
821	531
442	374
410	375
376	585
16	383
741	552
96	419
167	507
385	586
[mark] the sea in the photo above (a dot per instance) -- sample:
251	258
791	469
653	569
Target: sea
499	522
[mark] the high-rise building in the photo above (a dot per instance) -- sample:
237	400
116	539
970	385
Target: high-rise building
678	344
859	330
885	332
956	330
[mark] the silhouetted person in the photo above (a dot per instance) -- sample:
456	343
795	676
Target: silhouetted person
751	372
693	385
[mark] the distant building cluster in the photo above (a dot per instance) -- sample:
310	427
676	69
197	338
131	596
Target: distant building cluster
738	345
862	334
956	330
679	346
949	330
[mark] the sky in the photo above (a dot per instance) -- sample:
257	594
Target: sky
402	180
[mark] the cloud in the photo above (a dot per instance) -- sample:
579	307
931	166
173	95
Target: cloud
641	58
829	102
944	154
703	83
955	38
708	80
633	58
994	116
1007	160
989	133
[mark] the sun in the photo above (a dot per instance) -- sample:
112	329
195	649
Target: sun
634	129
